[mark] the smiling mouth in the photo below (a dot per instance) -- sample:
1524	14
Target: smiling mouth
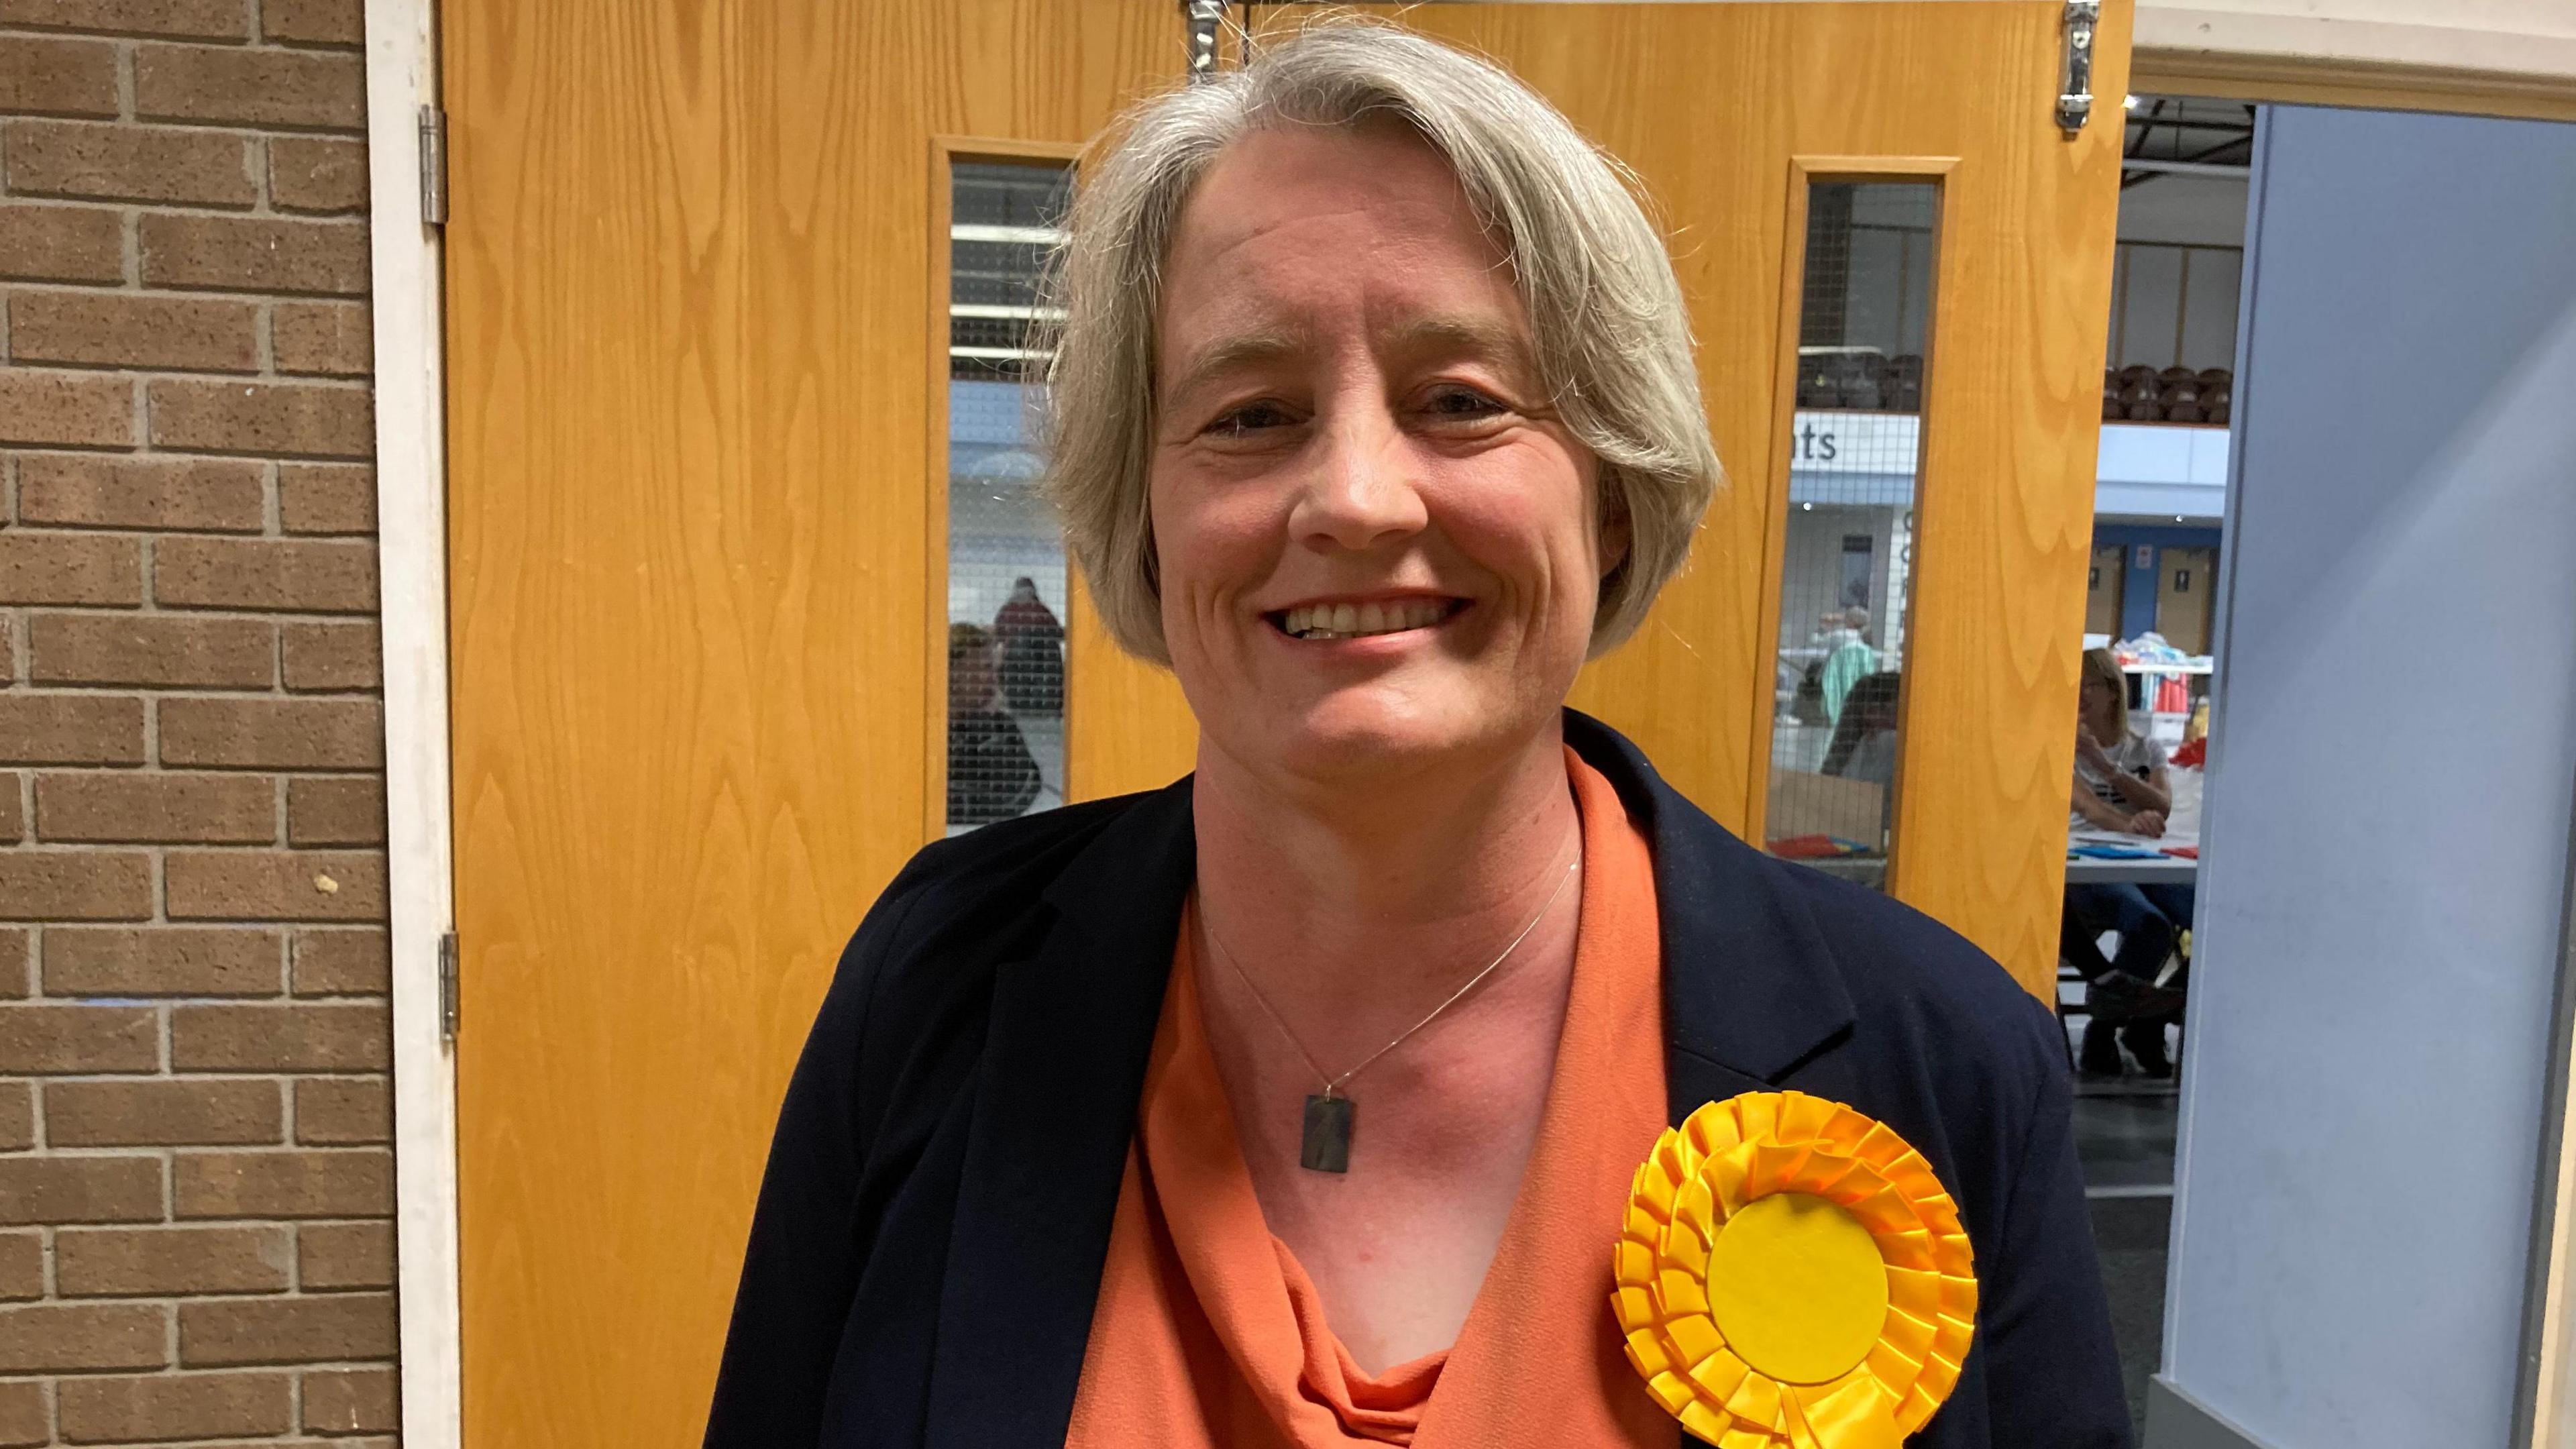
1359	621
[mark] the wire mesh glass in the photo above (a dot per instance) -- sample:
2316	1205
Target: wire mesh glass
1006	566
1866	305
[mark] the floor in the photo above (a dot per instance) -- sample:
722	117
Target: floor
2124	1135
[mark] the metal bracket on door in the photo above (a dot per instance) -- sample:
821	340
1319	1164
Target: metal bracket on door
1205	18
2075	79
448	992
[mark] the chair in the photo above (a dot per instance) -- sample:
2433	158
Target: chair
2179	390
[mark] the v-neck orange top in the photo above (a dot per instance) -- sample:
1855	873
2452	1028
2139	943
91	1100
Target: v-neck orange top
1208	1334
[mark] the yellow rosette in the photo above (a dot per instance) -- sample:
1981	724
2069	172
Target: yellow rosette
1791	1273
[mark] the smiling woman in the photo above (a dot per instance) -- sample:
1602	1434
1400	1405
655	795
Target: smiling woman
1375	416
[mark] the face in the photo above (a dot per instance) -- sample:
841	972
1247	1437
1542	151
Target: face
1377	541
2093	699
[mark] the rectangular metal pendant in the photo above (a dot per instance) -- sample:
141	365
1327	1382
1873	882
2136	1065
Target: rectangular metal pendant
1328	1134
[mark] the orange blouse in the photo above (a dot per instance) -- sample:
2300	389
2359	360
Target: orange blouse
1209	1335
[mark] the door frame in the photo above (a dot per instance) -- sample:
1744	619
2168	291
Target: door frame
2230	58
406	294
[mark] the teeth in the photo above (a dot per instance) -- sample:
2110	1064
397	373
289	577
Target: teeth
1347	621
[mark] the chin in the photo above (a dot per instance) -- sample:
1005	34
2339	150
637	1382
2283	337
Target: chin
1354	735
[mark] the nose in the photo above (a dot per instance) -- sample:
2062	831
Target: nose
1359	491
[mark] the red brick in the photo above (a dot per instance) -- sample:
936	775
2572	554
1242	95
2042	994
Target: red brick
254	254
54	1337
350	1401
306	419
158	1262
18	1124
74	490
126	329
75	885
49	77
69	568
320	174
335	1257
22	1268
287	1330
326	497
321	658
169	650
24	1419
249	87
338	963
161	961
70	729
292	576
75	409
61	243
312	22
17	962
303	1037
343	1111
42	1038
282	734
13	819
155	808
80	1190
335	811
164	1113
342	1183
203	19
160	1408
326	339
91	162
266	885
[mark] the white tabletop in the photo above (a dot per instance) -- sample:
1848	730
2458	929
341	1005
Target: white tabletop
2161	869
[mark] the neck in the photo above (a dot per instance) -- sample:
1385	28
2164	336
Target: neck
1354	910
2104	732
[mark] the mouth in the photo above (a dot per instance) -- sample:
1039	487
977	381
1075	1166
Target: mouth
1363	620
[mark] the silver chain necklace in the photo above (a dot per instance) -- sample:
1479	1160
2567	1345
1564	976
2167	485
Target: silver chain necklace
1326	1146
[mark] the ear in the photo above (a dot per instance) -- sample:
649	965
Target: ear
1615	532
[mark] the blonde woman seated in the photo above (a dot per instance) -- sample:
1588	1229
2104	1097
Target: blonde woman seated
1298	1104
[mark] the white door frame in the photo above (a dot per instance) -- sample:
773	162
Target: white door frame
411	523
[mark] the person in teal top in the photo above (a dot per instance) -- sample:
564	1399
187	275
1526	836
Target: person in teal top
1851	661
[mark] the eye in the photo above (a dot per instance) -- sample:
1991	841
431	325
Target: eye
1248	419
1456	402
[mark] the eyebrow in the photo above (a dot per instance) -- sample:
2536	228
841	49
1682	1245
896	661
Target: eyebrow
1477	337
1242	349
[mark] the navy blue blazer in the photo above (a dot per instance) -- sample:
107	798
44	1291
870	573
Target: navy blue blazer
930	1234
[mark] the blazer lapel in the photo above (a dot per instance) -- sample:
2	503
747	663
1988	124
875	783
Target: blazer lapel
1063	1066
1751	993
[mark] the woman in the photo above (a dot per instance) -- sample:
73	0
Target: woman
1298	1103
2121	785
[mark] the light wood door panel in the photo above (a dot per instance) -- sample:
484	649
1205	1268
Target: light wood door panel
689	315
1726	112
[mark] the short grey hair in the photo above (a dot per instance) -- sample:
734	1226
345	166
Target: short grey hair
1611	339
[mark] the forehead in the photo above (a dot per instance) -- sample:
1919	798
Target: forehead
1297	231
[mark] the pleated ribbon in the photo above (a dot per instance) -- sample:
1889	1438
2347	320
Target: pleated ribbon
1728	1155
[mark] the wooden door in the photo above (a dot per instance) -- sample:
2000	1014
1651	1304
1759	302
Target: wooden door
699	447
692	337
2186	581
1732	115
2104	592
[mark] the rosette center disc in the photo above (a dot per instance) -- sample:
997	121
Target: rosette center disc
1798	1287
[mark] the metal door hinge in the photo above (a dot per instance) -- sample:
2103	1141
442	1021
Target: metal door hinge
433	166
2075	79
447	992
1204	19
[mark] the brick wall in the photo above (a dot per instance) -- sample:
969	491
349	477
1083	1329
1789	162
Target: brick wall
194	1176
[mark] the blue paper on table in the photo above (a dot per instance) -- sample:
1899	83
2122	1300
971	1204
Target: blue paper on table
2113	852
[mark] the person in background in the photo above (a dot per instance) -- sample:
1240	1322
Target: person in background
991	774
1849	659
2121	785
1032	641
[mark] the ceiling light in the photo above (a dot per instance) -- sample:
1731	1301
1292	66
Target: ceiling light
2130	104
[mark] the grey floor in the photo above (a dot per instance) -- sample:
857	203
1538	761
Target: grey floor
2124	1134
